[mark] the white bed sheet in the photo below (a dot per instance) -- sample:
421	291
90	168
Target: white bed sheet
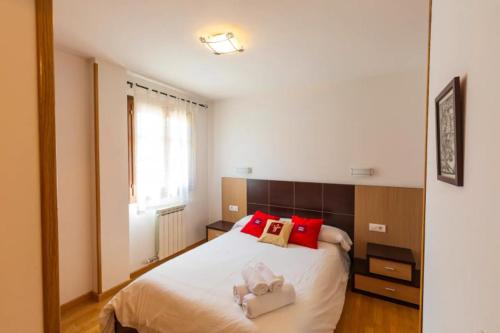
193	292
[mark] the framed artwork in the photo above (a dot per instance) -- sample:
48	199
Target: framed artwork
449	134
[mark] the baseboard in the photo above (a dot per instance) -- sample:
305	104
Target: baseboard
110	292
97	297
134	275
77	301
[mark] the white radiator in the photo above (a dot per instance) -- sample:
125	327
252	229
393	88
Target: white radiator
170	231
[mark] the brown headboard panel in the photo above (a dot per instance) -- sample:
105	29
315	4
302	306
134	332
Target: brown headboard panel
332	202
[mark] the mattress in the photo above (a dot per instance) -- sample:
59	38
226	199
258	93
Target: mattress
193	292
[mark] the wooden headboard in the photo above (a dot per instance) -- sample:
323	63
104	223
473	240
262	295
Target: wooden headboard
332	202
348	207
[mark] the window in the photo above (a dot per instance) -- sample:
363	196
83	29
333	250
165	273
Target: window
161	149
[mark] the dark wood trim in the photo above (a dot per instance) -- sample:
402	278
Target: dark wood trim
76	302
332	202
454	87
299	209
391	253
221	226
134	275
426	130
131	148
97	178
48	173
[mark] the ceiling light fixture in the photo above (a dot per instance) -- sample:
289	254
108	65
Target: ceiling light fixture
222	43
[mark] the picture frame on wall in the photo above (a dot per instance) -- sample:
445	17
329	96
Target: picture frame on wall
449	134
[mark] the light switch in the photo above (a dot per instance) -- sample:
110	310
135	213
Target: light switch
376	227
233	208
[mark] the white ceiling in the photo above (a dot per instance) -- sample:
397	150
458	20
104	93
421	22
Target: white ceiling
288	42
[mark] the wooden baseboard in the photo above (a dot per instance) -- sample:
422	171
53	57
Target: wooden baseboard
92	296
77	301
134	275
97	297
110	292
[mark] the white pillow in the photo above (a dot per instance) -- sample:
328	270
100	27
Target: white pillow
242	222
335	236
332	235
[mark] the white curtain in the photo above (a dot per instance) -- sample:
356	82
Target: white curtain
164	149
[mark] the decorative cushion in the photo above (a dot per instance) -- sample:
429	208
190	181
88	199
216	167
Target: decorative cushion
276	232
305	231
257	223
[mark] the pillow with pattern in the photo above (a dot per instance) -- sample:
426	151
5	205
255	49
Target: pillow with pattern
277	233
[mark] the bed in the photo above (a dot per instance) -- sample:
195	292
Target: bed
193	292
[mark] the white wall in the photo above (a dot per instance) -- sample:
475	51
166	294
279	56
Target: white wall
75	186
462	224
113	168
126	241
318	133
142	226
21	307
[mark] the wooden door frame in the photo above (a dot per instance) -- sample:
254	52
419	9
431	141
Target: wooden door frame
48	172
426	130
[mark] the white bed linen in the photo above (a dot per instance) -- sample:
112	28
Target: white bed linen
193	292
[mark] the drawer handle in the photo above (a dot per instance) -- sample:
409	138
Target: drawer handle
390	289
389	268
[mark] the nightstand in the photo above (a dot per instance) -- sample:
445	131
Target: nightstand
218	228
389	273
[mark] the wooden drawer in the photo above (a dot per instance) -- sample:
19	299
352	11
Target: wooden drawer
390	268
388	289
211	234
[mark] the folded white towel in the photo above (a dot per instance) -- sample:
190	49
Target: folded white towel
254	281
273	281
254	306
239	291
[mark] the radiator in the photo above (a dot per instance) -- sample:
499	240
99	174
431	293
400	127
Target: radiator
170	231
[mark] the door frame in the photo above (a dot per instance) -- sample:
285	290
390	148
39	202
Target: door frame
426	130
48	171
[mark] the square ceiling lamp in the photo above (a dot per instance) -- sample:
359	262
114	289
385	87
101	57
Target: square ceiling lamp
222	43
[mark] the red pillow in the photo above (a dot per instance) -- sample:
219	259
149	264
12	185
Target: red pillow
257	223
305	231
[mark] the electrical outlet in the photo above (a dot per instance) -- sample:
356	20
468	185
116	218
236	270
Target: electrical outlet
376	227
233	208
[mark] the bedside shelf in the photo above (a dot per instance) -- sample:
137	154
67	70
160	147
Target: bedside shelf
360	266
218	228
388	273
392	253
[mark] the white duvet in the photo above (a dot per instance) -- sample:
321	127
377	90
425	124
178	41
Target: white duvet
193	292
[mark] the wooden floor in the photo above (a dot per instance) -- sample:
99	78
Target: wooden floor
362	314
